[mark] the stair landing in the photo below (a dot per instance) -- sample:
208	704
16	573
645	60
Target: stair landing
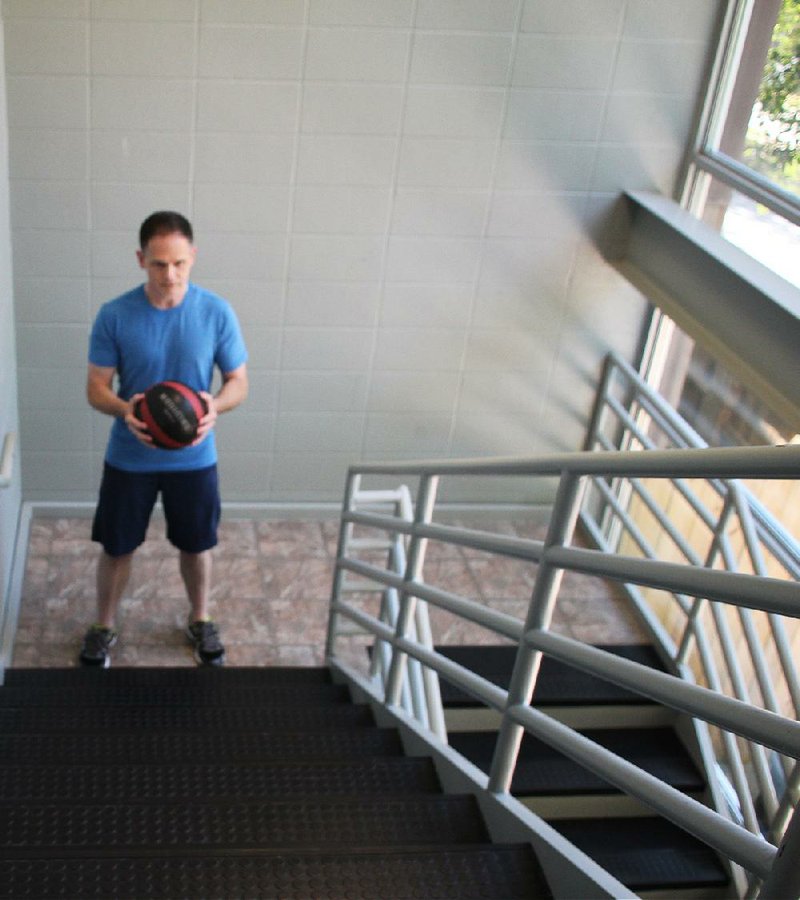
271	592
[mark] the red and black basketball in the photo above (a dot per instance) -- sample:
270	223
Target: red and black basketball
171	410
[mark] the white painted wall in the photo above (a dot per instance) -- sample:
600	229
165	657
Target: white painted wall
402	198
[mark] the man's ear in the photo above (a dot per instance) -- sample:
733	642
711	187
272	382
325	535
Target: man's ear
140	257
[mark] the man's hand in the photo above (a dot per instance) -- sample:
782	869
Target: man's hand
136	426
209	420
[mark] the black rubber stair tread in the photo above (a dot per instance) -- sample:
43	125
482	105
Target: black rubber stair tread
646	853
203	747
541	770
200	694
188	781
181	718
557	684
165	675
502	872
165	828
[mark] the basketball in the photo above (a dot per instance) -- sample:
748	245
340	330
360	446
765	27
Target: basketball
171	410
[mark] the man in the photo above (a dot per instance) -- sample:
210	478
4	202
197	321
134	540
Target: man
166	329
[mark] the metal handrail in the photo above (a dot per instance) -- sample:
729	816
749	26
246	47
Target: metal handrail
419	690
7	459
576	471
720	647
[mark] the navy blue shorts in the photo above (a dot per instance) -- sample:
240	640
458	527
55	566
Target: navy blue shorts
191	507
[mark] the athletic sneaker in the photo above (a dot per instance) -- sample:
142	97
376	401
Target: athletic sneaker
96	644
208	648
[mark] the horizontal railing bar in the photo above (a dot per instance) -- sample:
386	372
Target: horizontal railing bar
480	688
720	462
375	520
754	853
501	623
771	531
660	409
380	629
760	725
518	548
360	587
370	543
384	498
738	588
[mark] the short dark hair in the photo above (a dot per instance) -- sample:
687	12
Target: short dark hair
164	222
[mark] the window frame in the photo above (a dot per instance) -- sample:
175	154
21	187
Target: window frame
705	159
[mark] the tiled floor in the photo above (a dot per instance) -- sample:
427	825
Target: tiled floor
272	582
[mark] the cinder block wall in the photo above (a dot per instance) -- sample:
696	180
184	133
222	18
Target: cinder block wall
402	198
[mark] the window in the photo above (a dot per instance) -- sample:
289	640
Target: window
744	181
745	174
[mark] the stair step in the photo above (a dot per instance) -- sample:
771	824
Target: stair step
180	718
204	747
170	828
203	694
543	771
164	675
557	684
189	781
508	872
646	853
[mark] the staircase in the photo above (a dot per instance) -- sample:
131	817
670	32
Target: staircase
648	854
249	782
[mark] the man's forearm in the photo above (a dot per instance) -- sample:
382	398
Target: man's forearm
231	394
104	400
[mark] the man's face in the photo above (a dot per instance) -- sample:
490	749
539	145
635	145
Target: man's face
168	260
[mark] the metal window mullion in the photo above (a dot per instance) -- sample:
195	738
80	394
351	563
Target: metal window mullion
741	178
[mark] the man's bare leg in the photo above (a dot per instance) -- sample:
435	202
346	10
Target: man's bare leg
112	576
196	574
196	571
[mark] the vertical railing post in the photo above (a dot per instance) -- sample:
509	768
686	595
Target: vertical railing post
540	612
599	408
352	485
423	514
783	881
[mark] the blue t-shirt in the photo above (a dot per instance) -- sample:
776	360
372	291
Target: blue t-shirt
147	345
